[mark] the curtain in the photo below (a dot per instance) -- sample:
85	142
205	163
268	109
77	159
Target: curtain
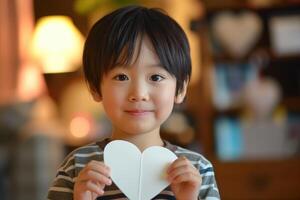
9	53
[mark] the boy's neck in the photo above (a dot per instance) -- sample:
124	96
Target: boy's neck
142	141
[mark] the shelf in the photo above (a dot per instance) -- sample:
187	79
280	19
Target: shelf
263	179
285	58
292	103
232	112
271	57
288	7
253	162
248	179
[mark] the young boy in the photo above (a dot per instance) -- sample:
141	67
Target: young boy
137	63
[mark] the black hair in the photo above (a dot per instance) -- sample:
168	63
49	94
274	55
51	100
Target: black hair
112	40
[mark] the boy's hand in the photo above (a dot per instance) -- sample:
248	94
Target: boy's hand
91	181
185	179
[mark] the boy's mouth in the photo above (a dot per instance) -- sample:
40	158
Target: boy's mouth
138	112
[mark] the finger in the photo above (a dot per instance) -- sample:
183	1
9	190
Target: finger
187	177
98	167
92	187
181	161
95	167
96	177
94	196
181	170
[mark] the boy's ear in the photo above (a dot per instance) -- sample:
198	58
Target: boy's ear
181	95
96	96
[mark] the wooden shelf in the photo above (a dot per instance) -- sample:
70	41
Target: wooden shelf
260	179
246	179
292	103
288	7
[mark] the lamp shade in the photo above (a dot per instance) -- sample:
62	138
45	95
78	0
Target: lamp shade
57	44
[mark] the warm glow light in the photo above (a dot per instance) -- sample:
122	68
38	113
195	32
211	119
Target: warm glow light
80	127
57	44
31	83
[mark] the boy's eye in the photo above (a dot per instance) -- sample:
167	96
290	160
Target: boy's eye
156	78
121	77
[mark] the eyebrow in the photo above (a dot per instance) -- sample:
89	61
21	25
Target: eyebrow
156	65
151	65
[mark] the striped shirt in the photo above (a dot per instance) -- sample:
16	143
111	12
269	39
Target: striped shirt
62	187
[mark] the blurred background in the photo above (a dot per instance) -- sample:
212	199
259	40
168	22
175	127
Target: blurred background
242	111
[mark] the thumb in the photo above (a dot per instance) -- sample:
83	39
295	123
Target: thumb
94	196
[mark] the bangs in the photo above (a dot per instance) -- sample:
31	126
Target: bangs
114	39
127	33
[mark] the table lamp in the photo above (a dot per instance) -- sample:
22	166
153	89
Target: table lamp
57	44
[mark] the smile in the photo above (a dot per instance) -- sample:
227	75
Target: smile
138	112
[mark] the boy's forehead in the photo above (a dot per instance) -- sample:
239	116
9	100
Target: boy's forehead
143	52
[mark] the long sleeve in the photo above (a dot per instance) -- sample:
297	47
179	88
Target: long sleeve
209	189
62	186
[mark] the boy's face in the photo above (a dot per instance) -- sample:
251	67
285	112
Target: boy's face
140	97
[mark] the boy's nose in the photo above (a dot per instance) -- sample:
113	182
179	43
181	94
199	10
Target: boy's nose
138	93
137	98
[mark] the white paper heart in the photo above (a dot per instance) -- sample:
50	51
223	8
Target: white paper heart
140	176
261	96
237	33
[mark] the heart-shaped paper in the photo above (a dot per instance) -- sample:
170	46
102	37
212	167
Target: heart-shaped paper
237	33
261	96
140	176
